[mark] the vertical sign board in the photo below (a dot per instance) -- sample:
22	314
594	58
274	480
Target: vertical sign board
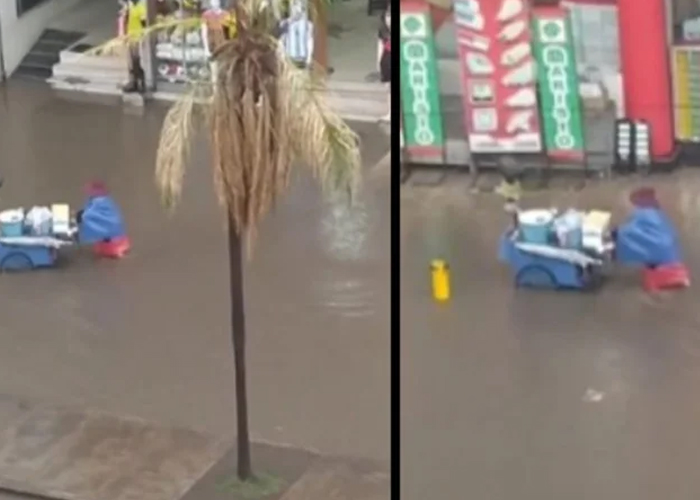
686	93
498	76
420	91
561	115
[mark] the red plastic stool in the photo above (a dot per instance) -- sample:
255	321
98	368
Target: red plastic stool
113	249
667	277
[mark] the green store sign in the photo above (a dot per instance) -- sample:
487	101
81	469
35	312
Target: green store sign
562	121
420	92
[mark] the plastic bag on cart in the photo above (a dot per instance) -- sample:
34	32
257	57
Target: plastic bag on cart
647	238
100	220
38	221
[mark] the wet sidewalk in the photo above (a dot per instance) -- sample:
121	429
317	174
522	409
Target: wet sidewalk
67	454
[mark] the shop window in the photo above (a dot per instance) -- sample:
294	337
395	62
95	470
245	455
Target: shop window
23	6
686	21
596	38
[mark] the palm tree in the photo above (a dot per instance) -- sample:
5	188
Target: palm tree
264	117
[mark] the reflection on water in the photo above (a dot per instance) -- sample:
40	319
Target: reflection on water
351	239
344	229
350	298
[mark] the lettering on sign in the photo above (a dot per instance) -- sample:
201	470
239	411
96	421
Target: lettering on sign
416	57
556	62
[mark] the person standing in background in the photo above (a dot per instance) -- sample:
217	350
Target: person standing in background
135	20
384	55
297	34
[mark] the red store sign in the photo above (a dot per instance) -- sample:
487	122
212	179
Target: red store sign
498	76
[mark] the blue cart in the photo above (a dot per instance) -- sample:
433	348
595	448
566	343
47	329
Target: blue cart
24	253
99	221
548	266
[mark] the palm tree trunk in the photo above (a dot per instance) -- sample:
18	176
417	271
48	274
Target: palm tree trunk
320	14
235	255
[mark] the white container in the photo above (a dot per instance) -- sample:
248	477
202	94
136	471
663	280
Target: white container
535	226
12	222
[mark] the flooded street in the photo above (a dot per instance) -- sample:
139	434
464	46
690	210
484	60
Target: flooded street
516	394
149	336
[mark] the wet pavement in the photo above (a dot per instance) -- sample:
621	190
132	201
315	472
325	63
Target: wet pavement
148	336
68	454
516	394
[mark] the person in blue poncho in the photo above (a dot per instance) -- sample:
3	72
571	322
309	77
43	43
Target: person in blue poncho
648	239
101	224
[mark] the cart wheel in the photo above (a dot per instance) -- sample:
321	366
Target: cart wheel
535	276
16	261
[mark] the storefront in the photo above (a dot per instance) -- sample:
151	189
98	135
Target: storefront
637	59
180	54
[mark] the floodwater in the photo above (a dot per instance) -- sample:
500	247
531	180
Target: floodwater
149	335
518	394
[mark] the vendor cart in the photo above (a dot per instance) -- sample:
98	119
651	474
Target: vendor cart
546	248
24	253
98	223
546	266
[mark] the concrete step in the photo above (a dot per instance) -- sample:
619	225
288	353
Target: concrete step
88	64
63	72
87	87
82	59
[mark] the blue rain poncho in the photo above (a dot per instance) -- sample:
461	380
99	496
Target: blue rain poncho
101	220
647	238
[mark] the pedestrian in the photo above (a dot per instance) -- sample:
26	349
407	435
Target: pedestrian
384	55
297	35
135	22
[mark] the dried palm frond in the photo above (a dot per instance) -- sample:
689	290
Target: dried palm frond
174	148
325	142
248	135
264	117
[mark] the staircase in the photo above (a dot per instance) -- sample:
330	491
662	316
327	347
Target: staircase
77	71
38	63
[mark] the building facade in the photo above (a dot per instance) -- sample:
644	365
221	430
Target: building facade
637	59
21	24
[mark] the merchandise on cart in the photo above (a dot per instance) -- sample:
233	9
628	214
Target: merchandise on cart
548	248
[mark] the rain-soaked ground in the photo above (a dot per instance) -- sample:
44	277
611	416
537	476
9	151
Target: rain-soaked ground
515	394
148	336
